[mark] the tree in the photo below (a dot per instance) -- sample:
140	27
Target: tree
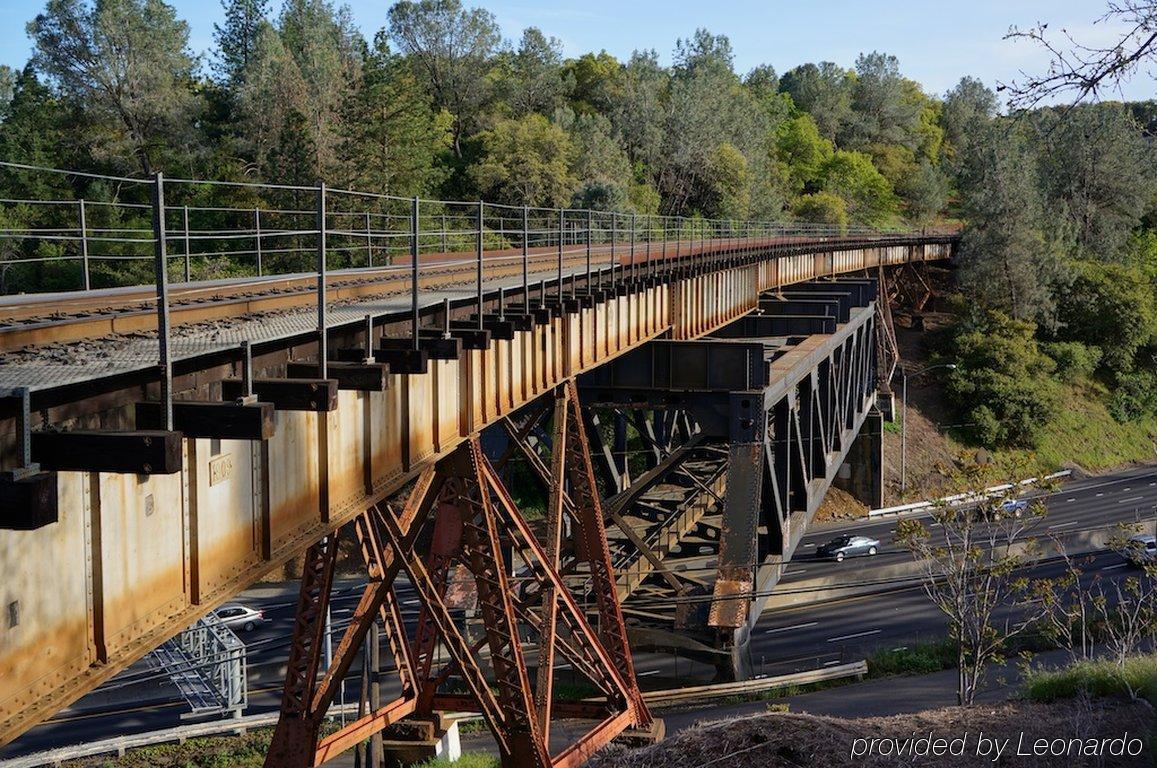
971	562
867	194
391	137
822	208
327	51
272	102
125	62
525	161
883	109
7	88
601	167
597	80
762	82
1097	171
1110	306
824	91
1005	261
968	107
926	193
725	182
1002	385
237	38
451	48
802	151
538	82
1078	70
641	107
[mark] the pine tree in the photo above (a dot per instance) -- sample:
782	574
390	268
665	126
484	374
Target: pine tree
237	38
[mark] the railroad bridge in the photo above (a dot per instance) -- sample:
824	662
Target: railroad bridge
681	392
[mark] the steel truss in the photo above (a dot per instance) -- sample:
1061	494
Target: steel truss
779	407
460	518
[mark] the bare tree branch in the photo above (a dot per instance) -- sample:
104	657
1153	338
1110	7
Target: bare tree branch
1079	70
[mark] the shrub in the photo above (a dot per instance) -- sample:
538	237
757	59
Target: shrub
1137	677
822	208
920	659
1002	383
1075	361
1134	397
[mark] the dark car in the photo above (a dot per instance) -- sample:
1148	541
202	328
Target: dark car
848	546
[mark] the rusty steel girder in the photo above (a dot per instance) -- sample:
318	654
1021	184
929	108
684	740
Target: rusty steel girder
459	517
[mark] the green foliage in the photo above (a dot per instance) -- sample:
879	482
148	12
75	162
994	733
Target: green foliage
1001	385
1135	396
537	81
1111	306
391	138
822	208
127	62
919	659
1097	171
451	48
824	91
237	38
1138	676
1006	262
525	161
802	151
1075	361
725	193
867	194
596	82
884	109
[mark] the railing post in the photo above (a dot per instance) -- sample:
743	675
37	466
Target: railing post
322	334
663	234
257	231
84	246
633	275
161	275
614	238
478	268
526	259
650	269
185	230
414	270
679	266
369	242
445	235
561	217
246	370
590	231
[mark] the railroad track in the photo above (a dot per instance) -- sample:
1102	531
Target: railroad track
62	318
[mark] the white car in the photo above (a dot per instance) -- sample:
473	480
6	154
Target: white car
1141	549
236	616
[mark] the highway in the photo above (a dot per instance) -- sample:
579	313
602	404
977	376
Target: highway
784	640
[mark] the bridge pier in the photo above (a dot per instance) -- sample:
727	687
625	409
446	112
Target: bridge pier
862	473
458	518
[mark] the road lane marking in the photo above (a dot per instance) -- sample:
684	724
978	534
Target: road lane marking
1111	567
1062	525
1099	495
788	629
1069	501
858	634
1131	498
644	674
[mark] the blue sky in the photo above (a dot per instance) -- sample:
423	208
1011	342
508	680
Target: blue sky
936	42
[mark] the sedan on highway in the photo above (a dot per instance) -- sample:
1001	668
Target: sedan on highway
239	617
848	546
1141	550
